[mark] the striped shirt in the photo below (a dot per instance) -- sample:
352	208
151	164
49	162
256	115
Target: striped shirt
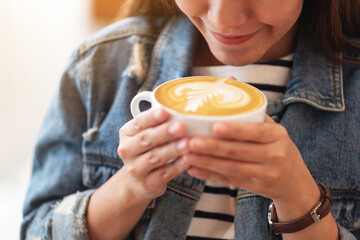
270	77
214	214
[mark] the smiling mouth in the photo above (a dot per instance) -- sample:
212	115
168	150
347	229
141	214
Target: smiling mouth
232	39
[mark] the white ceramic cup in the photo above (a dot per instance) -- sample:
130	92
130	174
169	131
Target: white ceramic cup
197	125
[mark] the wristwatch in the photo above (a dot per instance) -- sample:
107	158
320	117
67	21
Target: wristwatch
318	212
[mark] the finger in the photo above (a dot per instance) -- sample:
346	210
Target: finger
268	119
249	183
252	184
264	132
240	151
167	172
144	120
157	157
225	167
150	138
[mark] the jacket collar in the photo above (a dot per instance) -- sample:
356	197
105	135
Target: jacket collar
315	80
172	54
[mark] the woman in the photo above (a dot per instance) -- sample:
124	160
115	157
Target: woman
309	137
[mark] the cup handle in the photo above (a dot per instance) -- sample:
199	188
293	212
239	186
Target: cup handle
135	102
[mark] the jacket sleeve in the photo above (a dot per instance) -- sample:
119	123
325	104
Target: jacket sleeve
345	234
56	201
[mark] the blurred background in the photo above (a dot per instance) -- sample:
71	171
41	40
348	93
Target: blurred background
37	37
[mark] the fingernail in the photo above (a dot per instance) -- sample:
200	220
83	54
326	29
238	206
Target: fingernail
182	146
220	128
174	128
194	171
159	114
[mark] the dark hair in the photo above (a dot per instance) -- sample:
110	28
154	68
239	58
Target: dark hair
332	25
132	8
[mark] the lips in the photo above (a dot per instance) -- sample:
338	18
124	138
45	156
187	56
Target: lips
232	39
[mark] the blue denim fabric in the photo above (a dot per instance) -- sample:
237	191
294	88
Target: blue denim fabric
76	149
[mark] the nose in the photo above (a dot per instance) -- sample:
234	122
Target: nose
227	14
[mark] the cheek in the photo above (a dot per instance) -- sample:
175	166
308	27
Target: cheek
273	15
278	24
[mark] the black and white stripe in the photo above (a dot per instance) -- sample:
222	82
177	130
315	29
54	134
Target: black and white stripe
220	190
214	215
283	62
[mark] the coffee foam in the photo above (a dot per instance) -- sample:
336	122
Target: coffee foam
209	96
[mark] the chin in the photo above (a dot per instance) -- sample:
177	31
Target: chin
238	59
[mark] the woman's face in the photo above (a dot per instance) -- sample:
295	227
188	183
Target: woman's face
241	32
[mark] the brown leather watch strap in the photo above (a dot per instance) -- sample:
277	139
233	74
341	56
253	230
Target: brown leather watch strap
319	211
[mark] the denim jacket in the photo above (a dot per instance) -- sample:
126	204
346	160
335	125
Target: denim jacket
76	150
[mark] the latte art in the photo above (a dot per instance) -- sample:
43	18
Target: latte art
218	94
210	96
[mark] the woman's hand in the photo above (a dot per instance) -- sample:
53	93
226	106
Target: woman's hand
147	143
259	157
